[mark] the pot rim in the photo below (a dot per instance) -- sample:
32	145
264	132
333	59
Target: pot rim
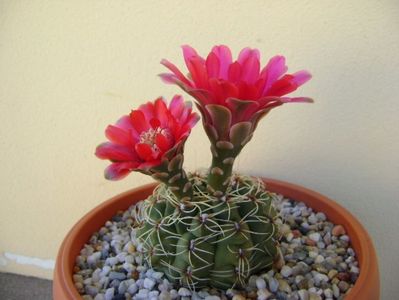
360	240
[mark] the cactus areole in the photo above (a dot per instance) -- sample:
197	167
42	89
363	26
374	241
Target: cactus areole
214	228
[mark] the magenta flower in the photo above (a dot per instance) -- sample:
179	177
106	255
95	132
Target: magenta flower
230	92
146	137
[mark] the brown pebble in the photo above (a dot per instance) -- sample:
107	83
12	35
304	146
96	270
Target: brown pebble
76	269
343	276
310	242
252	295
131	249
338	230
135	275
296	233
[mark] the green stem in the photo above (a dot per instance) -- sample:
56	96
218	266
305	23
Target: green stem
221	168
176	180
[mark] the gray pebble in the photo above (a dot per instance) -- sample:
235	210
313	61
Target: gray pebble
212	298
117	275
303	294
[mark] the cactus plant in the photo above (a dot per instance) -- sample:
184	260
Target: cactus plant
217	241
212	228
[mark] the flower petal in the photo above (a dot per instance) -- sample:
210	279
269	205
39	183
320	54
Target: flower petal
223	54
189	53
179	75
117	171
176	106
301	77
118	135
247	53
222	90
234	72
212	65
114	152
144	151
250	69
163	142
198	72
138	120
283	86
161	111
274	69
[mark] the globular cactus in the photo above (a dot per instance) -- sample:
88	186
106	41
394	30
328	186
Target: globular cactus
210	241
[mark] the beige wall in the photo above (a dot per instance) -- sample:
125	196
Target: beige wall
69	68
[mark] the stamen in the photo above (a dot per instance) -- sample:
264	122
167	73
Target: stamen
148	137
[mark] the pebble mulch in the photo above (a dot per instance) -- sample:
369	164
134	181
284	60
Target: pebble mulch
318	263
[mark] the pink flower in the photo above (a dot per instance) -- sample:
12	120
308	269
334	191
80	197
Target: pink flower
240	91
146	137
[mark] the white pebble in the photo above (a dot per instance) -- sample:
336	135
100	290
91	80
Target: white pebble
94	258
165	295
174	294
112	261
109	294
318	278
157	275
149	283
328	293
286	271
132	289
313	219
273	284
321	216
319	259
99	297
263	294
142	294
153	294
260	283
315	236
184	292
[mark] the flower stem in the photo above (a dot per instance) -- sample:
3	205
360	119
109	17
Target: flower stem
173	175
221	168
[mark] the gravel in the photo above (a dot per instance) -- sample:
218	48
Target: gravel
319	263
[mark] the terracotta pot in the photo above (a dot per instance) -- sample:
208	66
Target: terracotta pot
367	286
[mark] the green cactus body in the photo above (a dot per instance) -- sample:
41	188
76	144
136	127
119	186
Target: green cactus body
210	241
